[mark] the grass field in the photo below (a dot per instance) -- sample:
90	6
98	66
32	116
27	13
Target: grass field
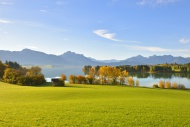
93	105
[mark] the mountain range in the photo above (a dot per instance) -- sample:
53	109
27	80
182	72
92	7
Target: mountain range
31	57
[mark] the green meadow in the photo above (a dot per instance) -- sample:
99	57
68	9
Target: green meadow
93	106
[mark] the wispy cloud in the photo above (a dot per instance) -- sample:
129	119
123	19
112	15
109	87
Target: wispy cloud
184	40
61	2
111	36
155	2
104	33
28	47
6	3
42	10
153	49
4	21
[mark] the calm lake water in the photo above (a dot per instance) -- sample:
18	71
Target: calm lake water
146	79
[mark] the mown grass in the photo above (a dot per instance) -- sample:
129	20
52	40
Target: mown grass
93	105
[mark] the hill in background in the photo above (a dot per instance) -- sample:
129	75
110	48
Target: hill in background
31	57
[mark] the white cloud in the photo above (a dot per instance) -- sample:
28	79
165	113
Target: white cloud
155	2
6	3
104	33
184	40
4	21
43	11
153	49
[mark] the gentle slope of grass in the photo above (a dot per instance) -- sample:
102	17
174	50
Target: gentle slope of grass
93	105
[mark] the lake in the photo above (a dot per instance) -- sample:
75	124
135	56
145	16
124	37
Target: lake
146	79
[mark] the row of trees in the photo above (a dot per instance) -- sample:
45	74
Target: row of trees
12	72
157	68
103	75
79	79
168	85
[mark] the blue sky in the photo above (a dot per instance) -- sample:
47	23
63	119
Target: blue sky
101	29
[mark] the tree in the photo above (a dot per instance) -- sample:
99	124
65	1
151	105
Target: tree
72	79
122	80
92	72
113	73
168	84
34	71
11	76
174	85
89	79
137	82
63	77
108	73
2	69
130	81
11	64
103	73
161	84
181	86
123	76
81	79
86	69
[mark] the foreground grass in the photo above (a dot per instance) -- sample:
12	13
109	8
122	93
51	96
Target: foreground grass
91	105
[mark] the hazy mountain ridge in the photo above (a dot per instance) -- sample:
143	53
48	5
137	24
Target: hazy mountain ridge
31	57
78	59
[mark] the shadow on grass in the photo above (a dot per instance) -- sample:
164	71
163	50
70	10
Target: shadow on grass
50	84
47	84
76	86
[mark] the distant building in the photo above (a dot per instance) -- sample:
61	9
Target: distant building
57	82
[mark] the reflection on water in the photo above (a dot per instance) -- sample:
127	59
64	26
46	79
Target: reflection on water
160	75
146	79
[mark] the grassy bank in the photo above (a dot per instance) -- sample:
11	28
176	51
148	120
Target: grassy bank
93	105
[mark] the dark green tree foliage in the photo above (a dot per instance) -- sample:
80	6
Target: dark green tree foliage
86	69
34	80
11	64
2	69
16	74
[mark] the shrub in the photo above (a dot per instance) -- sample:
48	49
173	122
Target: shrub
155	86
31	80
137	82
161	84
130	81
11	75
97	81
168	84
174	85
81	79
181	86
72	79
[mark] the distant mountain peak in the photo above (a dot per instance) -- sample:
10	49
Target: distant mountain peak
70	53
32	57
140	56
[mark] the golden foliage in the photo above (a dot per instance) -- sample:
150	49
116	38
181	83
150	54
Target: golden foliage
161	84
168	84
